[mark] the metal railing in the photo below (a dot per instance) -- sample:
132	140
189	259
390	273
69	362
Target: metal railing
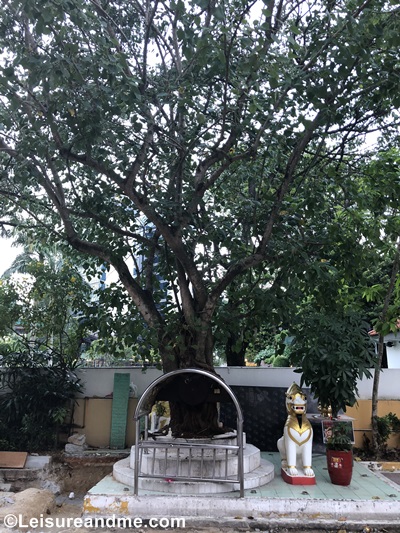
183	459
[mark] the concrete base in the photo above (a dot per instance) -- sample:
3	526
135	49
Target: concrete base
261	475
205	464
370	501
110	497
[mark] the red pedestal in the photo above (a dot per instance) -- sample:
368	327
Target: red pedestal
297	480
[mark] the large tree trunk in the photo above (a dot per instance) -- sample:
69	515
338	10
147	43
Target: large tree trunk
235	357
194	421
193	413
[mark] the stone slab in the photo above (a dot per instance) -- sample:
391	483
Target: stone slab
29	503
75	449
34	465
38	461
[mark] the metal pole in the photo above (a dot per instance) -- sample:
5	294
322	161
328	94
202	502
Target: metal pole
136	472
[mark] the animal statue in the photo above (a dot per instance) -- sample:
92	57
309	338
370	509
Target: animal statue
296	442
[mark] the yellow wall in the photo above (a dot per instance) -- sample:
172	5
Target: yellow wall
362	419
92	416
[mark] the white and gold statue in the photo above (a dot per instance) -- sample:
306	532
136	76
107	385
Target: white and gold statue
295	446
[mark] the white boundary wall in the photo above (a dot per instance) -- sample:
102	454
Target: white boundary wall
99	382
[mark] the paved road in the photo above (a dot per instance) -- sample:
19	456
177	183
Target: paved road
393	476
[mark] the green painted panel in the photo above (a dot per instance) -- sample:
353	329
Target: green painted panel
119	411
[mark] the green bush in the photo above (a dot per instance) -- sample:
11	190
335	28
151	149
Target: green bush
332	351
387	425
281	361
275	355
267	355
37	388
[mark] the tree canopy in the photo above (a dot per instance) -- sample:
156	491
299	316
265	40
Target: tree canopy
45	303
190	145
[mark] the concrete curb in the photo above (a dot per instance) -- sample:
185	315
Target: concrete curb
384	466
319	513
214	510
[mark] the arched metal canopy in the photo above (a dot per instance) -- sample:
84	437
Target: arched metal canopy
149	396
152	394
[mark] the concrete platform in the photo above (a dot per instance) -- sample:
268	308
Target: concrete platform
370	500
261	475
257	471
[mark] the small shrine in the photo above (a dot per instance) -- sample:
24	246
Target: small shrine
191	465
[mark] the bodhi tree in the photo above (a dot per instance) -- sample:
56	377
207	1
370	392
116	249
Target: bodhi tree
178	137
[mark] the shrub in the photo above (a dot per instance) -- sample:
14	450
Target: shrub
387	425
37	390
281	361
267	355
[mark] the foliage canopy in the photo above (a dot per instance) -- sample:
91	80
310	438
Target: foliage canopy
193	140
